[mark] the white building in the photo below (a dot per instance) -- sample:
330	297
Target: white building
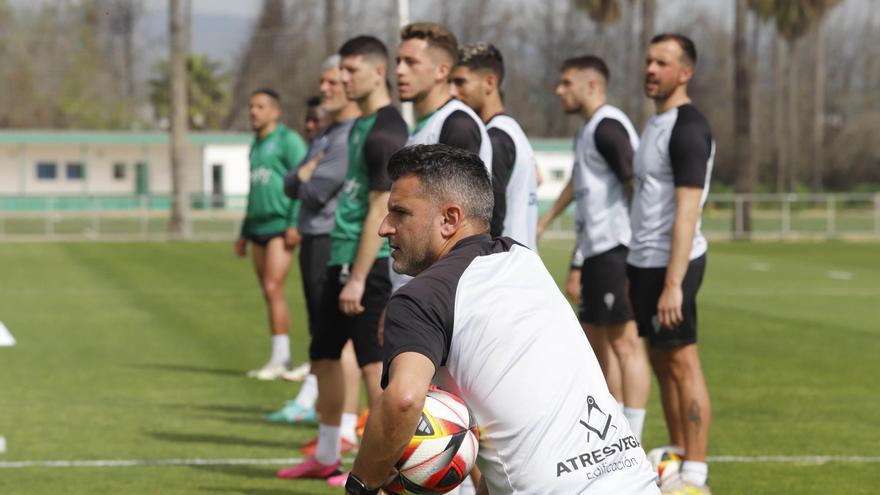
105	163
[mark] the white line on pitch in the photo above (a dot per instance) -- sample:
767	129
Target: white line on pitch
115	463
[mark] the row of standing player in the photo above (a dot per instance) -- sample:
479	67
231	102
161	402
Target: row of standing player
475	80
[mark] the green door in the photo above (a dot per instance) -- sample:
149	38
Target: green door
141	179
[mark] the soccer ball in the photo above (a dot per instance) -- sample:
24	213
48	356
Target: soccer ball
665	462
442	451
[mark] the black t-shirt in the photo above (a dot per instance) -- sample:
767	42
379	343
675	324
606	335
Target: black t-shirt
503	160
612	142
461	131
387	135
690	146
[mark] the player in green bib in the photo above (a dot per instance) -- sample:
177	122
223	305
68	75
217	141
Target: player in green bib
270	222
357	287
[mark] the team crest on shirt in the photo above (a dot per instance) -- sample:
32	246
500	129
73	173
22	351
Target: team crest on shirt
598	421
608	456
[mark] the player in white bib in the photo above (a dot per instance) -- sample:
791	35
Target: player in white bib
600	185
425	59
667	255
485	320
476	81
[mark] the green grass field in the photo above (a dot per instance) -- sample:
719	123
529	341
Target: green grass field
137	351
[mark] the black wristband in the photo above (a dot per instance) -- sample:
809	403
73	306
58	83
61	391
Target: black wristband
354	486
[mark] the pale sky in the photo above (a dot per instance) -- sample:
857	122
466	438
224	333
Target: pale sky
243	8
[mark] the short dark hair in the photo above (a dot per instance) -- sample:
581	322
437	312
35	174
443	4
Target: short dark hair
364	45
687	45
436	35
271	93
587	62
482	56
313	101
447	173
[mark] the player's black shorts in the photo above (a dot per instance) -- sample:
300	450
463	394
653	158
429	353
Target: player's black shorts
645	287
604	300
335	328
263	239
314	252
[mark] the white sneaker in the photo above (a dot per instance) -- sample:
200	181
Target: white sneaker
271	371
297	374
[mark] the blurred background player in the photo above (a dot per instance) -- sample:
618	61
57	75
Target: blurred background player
438	327
476	81
425	59
357	287
667	256
601	184
317	118
317	183
270	222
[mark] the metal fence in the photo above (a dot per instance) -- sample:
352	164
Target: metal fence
725	216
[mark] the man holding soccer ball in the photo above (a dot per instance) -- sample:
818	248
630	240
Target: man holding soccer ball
483	319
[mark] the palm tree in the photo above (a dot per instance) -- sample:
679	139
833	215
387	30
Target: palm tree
180	226
602	12
206	90
794	19
742	81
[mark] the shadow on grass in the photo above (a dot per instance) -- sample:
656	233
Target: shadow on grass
216	439
190	369
250	471
260	491
221	408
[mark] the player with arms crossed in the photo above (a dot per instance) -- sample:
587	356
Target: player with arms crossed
317	183
271	218
484	319
357	287
667	256
476	81
600	184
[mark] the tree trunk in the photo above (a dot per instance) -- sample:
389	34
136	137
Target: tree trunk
780	142
793	124
741	112
600	39
331	27
648	8
180	226
819	110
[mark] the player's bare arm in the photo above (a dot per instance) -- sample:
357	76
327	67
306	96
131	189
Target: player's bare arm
241	247
292	237
565	198
352	294
393	418
687	212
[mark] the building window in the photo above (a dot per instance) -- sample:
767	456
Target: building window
75	170
119	171
47	170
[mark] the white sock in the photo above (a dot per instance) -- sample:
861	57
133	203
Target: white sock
328	450
347	427
694	473
280	349
636	418
308	394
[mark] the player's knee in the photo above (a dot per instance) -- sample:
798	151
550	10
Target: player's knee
681	367
273	289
